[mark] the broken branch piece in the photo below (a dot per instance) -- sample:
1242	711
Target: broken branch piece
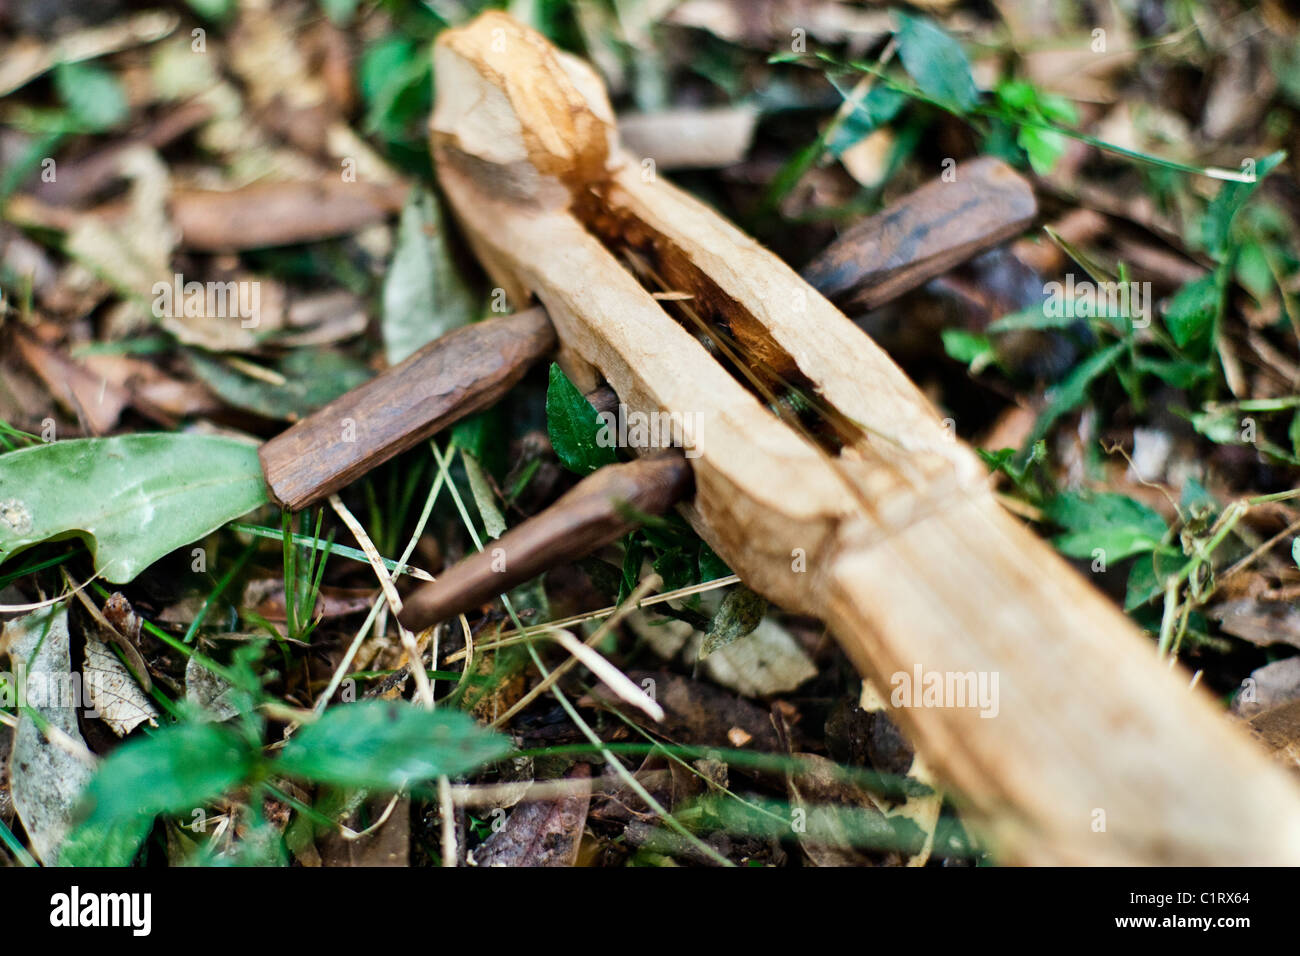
453	376
885	527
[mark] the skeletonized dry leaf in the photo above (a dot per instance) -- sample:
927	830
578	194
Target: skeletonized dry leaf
47	779
121	702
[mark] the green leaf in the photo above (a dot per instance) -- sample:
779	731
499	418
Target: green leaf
970	348
1192	309
93	95
1143	585
105	844
388	745
1043	147
878	107
1216	227
493	521
740	612
1113	523
574	426
712	567
133	498
425	295
936	61
175	770
1073	391
312	378
1221	424
217	10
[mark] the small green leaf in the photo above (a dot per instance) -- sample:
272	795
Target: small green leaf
1216	227
1192	309
936	61
1115	524
574	427
133	498
425	295
93	95
878	107
1043	147
970	348
174	770
1073	391
740	612
388	745
1143	585
493	521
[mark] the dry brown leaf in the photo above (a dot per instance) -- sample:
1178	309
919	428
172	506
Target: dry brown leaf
121	703
46	777
540	832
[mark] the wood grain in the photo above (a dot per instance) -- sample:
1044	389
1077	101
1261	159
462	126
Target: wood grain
924	234
454	376
1097	753
599	509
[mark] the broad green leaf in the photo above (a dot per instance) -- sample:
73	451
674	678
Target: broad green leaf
936	61
740	612
1191	311
1115	524
133	498
388	745
175	770
93	95
105	844
312	378
574	427
424	293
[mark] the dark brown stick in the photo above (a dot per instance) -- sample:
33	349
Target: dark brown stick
452	377
599	509
925	233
